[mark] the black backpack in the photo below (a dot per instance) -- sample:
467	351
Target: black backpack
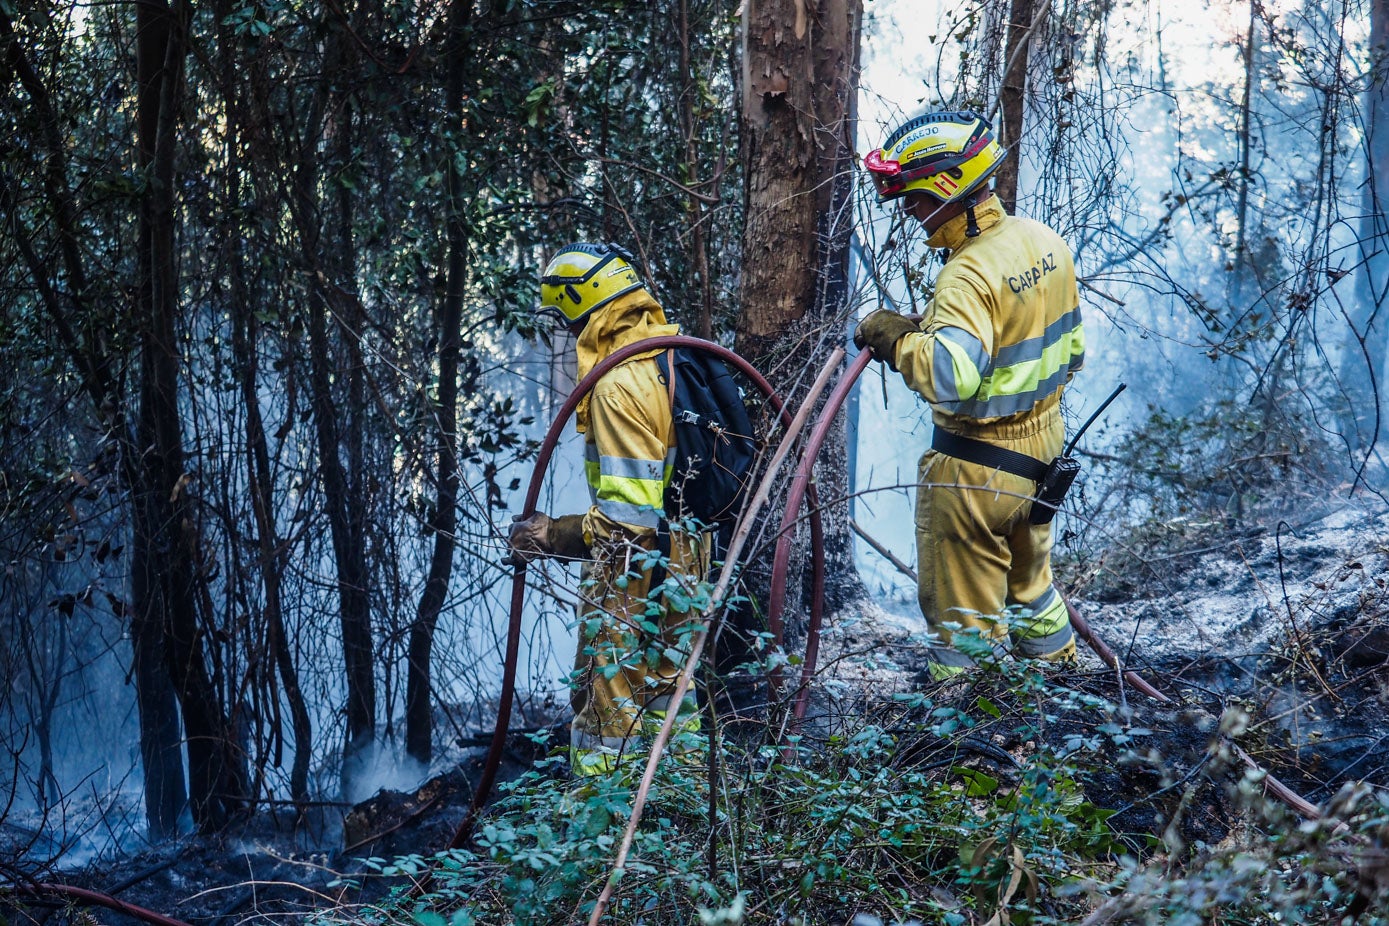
714	445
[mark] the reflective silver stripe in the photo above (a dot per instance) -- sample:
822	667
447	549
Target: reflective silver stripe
943	368
947	385
1045	646
949	657
972	346
1033	348
632	469
1047	629
1001	405
1046	615
627	513
1042	604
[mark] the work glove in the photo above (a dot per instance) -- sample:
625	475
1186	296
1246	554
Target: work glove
529	538
879	333
542	535
566	537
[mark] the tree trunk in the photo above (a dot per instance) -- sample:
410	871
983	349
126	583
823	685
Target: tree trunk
1013	99
338	445
1369	334
800	83
699	242
166	569
260	481
444	521
156	702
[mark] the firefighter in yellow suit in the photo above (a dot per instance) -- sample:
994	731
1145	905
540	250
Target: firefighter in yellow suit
998	344
624	673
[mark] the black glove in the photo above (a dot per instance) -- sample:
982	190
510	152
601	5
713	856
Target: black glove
880	331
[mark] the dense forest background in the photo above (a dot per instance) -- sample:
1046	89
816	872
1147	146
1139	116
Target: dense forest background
270	381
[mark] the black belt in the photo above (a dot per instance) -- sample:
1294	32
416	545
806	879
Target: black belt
990	455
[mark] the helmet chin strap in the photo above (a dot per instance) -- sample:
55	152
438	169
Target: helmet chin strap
972	229
971	224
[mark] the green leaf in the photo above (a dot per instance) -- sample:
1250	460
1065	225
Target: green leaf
597	820
977	784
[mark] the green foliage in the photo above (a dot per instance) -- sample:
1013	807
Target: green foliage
910	814
1326	871
1226	456
805	833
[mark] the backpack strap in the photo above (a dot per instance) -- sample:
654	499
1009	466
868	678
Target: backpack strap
670	380
658	572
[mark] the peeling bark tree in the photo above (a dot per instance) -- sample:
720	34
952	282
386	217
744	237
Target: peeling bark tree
800	83
1013	96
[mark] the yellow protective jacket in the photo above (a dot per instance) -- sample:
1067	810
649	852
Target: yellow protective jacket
1003	332
999	342
626	421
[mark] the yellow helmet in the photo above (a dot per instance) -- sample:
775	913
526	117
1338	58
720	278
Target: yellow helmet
584	277
947	155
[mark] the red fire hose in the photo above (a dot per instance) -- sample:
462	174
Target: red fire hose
795	496
518	579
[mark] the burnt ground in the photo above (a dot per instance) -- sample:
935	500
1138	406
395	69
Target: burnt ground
1284	632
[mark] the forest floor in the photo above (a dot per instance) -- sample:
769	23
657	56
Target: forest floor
1287	625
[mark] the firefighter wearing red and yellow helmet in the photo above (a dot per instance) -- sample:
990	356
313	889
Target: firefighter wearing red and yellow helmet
1000	340
623	674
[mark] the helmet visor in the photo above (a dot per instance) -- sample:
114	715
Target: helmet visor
887	175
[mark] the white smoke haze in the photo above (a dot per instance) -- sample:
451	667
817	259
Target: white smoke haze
1146	190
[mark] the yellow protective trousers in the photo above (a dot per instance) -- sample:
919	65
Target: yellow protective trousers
631	650
981	564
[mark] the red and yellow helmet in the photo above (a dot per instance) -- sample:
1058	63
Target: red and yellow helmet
946	155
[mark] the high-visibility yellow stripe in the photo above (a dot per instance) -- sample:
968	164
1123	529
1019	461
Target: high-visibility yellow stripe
623	493
1032	349
1018	386
957	375
633	491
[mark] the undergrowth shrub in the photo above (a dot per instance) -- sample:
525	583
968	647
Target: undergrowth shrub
965	804
908	815
1177	484
901	815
